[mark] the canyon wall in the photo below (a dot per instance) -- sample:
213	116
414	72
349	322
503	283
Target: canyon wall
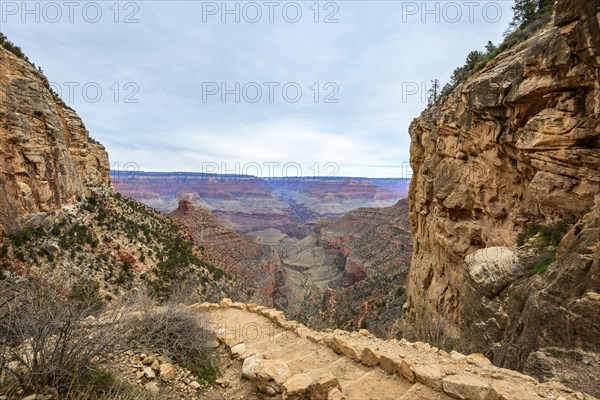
347	273
517	143
47	157
252	265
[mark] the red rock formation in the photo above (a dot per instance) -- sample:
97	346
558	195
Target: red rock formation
252	204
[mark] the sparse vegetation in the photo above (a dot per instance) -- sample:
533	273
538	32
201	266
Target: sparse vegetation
177	334
423	325
10	46
548	258
85	294
101	384
103	242
546	235
529	17
545	240
45	340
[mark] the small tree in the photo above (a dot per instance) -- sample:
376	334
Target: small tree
472	59
525	11
458	75
433	93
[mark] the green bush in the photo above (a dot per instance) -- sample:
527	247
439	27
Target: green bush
10	46
549	235
547	259
85	293
21	237
125	275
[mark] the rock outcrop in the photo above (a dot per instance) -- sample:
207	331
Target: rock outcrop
47	157
252	264
287	359
348	272
373	248
517	143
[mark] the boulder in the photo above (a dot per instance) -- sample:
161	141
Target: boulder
493	268
466	387
167	372
271	375
149	373
249	367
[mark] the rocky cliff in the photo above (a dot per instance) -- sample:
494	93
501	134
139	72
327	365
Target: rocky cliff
516	144
348	273
60	218
46	155
373	247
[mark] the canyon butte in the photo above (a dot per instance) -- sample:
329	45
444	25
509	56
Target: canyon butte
503	213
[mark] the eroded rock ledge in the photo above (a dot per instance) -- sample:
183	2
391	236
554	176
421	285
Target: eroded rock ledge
516	143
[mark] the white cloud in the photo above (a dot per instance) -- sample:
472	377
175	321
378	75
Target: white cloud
369	54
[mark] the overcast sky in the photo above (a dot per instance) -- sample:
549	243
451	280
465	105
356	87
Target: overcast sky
162	68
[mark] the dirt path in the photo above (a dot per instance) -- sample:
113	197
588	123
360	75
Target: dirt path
282	359
252	335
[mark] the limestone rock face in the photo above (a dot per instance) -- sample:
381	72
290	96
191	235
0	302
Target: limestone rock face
46	155
516	143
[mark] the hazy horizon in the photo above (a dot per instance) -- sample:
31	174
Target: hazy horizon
131	172
172	86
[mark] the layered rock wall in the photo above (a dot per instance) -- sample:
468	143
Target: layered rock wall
517	143
46	155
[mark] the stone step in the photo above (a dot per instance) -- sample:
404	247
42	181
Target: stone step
319	359
345	370
376	384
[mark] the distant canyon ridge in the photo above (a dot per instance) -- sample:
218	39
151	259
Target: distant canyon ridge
248	203
329	251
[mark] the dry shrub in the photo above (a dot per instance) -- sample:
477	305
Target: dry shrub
180	335
423	325
184	292
46	340
101	384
